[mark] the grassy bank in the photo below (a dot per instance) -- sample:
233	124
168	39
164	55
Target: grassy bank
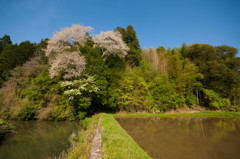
82	140
198	114
117	144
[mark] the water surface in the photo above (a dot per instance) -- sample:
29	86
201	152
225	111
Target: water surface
185	137
36	140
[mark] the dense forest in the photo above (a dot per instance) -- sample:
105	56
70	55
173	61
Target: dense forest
75	74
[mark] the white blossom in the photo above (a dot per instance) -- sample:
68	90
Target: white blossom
71	63
111	43
61	40
78	87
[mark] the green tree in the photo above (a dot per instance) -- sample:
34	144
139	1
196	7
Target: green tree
214	101
4	41
106	73
219	66
201	53
24	51
13	55
235	96
183	49
134	94
130	38
8	60
164	94
226	51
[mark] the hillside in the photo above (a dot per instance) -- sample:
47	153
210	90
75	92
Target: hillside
74	75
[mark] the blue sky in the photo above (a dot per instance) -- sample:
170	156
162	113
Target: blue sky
157	22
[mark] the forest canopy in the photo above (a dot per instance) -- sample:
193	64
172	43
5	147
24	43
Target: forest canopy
74	74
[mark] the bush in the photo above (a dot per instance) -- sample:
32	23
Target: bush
214	101
28	114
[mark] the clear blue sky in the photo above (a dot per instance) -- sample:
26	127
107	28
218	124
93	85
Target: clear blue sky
157	22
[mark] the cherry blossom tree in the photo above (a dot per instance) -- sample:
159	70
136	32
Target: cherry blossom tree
62	41
71	63
111	43
59	53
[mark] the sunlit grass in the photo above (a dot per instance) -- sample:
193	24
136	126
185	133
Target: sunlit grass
117	144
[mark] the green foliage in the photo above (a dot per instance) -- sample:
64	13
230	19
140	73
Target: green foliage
80	94
193	75
219	66
191	99
85	123
225	51
133	92
130	38
13	55
183	49
5	128
201	53
37	92
214	101
106	74
28	113
164	94
4	41
186	76
147	72
59	113
38	89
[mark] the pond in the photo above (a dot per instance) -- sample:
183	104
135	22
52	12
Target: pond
185	137
37	139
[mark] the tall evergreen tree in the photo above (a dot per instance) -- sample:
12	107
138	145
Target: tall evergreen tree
4	41
130	38
183	49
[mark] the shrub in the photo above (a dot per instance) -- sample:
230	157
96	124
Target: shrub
214	101
28	114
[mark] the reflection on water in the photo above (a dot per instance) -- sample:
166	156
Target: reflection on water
186	138
36	140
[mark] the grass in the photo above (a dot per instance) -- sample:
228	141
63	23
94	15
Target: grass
82	140
117	144
198	114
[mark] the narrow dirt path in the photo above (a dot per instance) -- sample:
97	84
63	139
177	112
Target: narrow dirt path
96	148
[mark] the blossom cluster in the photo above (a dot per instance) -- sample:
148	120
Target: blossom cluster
78	87
111	43
71	63
61	40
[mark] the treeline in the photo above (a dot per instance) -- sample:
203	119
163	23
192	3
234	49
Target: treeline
200	73
74	75
12	55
